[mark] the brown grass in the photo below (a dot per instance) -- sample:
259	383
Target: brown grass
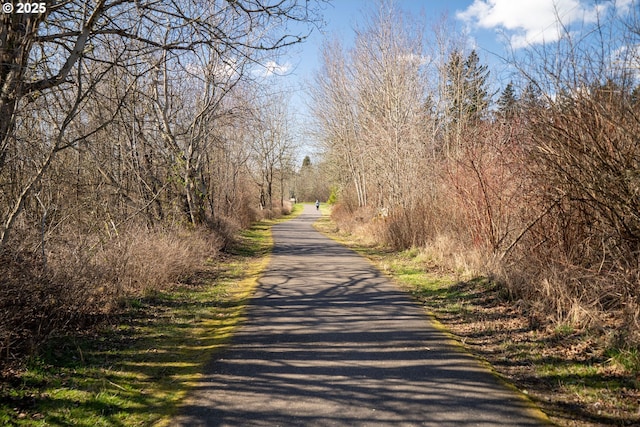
88	279
483	214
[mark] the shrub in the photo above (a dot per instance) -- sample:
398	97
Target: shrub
86	280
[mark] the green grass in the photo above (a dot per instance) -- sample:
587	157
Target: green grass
567	383
136	372
628	359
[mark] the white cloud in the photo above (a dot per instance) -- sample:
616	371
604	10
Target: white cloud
272	67
623	6
627	57
413	59
529	22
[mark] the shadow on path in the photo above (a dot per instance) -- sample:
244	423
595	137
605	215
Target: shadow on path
329	341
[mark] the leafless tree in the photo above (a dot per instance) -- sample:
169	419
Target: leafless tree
52	54
370	104
335	109
273	146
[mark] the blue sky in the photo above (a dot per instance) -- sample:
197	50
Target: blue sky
490	25
340	17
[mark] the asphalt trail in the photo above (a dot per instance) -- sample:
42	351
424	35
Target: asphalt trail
329	341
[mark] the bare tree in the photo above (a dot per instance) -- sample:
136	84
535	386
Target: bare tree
48	54
581	162
370	104
273	146
334	106
388	73
60	127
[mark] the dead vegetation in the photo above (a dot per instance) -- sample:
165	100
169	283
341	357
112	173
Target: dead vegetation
130	157
528	208
578	375
570	372
88	281
536	188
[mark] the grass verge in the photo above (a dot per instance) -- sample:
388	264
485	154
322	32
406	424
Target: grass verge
136	371
570	374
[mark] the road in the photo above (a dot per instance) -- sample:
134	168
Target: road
329	341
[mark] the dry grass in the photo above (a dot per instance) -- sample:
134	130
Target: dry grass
137	369
483	214
87	279
577	375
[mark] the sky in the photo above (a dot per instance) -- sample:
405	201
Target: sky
491	26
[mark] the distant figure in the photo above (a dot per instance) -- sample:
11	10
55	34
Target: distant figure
317	205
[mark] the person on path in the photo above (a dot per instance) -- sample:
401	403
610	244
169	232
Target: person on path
317	205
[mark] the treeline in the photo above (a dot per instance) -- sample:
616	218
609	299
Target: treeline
135	138
536	184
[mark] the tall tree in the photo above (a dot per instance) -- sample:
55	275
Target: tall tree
508	102
272	147
335	108
52	53
467	96
476	87
375	94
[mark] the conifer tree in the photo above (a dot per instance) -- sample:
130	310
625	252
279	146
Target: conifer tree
467	95
507	103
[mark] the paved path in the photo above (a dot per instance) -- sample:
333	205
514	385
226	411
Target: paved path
330	342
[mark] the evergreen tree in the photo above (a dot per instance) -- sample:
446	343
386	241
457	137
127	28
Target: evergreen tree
476	87
305	182
531	98
467	96
507	103
455	86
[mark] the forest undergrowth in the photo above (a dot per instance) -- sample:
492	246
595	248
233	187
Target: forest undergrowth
577	374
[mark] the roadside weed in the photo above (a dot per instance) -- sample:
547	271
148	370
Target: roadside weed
137	370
